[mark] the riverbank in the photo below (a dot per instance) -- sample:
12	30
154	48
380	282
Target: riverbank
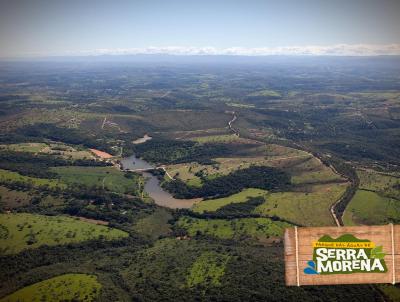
152	185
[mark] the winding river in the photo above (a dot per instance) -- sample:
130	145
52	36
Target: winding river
152	186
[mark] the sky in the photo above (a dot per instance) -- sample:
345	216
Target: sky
247	27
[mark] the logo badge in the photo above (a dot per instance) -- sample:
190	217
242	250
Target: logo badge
345	255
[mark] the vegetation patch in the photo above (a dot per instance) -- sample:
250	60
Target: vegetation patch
70	135
265	178
239	105
223	138
37	165
212	205
249	154
174	151
207	269
234	228
368	208
107	177
55	149
265	93
312	171
8	177
308	207
12	198
239	209
25	147
68	287
31	231
154	225
390	291
385	184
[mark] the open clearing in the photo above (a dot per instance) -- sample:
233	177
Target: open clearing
154	225
22	231
212	205
312	171
309	207
235	228
56	149
14	199
223	138
68	287
25	147
384	184
112	179
207	269
377	200
266	93
9	176
67	152
368	208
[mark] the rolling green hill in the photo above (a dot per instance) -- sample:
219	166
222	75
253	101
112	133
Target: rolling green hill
26	231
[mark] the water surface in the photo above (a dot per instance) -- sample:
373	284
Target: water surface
133	163
152	185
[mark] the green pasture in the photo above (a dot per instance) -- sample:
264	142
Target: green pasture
109	177
212	205
10	177
25	231
68	287
385	184
309	207
370	208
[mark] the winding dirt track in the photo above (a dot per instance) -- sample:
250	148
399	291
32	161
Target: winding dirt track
234	118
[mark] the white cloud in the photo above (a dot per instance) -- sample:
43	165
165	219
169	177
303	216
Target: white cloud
335	50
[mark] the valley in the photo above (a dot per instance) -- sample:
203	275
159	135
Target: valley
165	182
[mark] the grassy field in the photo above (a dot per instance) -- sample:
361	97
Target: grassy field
378	182
112	179
214	204
266	93
309	208
186	173
68	287
239	105
23	231
14	199
67	152
368	207
289	159
154	225
224	138
207	269
312	171
57	149
25	147
62	117
235	228
9	176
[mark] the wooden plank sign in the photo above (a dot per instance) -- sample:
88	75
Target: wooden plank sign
342	255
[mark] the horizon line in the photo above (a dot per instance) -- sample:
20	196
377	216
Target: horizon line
359	50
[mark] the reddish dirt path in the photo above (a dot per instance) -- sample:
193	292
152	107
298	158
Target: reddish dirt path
101	154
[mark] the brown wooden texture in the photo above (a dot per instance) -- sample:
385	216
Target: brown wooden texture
296	261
